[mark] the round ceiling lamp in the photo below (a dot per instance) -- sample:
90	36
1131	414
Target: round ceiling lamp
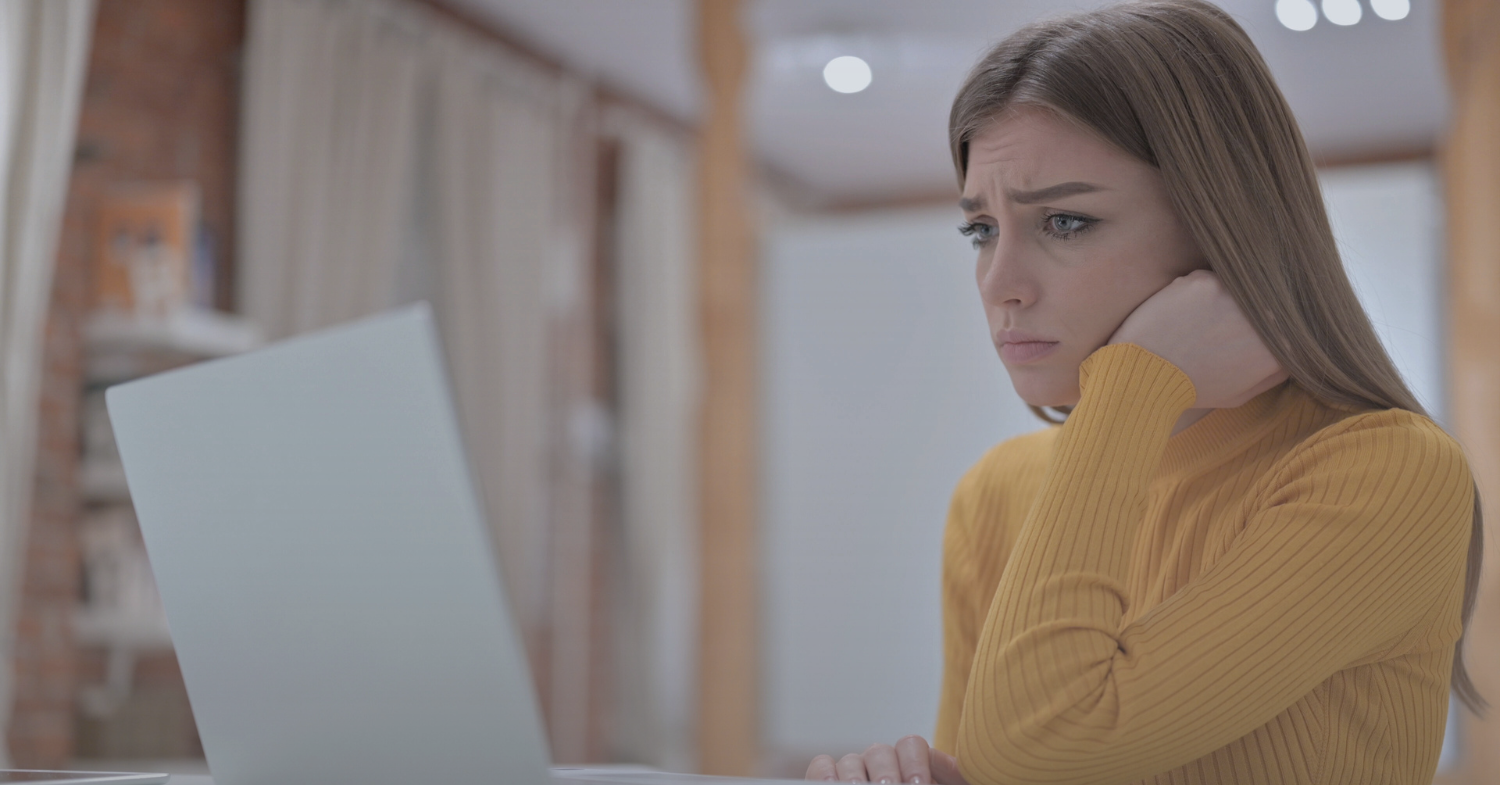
847	74
1342	12
1296	15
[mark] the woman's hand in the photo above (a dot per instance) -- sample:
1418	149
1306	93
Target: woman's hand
911	760
1194	324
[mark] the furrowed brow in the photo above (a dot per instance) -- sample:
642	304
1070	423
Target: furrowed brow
1051	192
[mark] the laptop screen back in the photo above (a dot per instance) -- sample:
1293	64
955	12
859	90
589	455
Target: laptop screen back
325	565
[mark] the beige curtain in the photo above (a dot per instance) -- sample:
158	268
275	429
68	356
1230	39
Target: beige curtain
505	252
43	56
390	155
658	409
1471	168
326	160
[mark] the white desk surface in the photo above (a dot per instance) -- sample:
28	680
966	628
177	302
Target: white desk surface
601	776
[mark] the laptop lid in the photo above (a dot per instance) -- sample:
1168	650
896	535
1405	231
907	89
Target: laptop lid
325	565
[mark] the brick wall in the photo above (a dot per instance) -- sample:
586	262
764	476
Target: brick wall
160	102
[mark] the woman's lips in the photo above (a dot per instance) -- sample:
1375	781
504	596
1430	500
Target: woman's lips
1026	351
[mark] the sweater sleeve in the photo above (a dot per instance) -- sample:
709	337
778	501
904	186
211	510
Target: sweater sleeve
959	626
1351	542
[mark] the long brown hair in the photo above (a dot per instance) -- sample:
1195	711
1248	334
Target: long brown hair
1178	84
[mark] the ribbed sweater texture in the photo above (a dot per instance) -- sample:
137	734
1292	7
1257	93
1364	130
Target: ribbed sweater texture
1270	596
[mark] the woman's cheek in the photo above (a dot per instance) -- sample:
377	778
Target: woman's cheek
1109	303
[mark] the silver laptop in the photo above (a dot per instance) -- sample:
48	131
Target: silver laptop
326	568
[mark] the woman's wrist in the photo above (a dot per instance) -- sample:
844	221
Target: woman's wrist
1134	384
1195	324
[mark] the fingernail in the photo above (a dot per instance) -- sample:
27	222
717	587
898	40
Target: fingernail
916	779
886	780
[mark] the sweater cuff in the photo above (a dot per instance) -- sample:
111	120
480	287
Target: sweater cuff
1126	383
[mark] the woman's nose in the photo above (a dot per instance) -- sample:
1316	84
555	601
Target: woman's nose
1003	277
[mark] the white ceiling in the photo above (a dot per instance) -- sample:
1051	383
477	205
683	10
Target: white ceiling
1374	87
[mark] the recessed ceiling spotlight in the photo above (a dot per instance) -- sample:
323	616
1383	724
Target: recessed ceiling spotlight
1391	9
1297	15
1342	12
847	74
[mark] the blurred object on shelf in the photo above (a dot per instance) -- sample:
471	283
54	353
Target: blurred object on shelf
121	603
98	436
154	725
147	241
101	478
204	275
121	610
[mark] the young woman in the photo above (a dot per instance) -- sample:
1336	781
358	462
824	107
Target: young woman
1246	555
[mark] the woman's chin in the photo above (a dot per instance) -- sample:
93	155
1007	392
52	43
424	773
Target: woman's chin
1045	395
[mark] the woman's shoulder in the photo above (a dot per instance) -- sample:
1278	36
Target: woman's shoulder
1381	431
1389	449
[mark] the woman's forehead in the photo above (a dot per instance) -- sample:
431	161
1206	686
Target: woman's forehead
1028	149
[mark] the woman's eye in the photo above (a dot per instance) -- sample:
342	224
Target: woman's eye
1064	225
980	232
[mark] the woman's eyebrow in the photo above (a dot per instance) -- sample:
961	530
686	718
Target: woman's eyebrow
1052	192
1058	191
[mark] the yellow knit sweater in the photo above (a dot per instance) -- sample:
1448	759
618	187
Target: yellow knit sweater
1270	596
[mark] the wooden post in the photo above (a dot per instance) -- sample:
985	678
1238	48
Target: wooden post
1471	171
728	663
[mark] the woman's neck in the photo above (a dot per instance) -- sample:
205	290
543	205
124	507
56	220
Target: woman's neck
1188	418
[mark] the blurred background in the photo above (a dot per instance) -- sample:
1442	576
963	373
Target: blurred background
717	348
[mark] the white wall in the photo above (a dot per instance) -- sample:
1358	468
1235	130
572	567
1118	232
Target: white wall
881	387
1387	220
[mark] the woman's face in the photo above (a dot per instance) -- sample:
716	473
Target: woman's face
1073	233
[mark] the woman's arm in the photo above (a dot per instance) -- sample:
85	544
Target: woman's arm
960	628
1360	533
989	503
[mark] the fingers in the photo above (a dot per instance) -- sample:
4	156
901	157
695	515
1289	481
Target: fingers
822	769
912	754
881	764
945	769
910	761
851	768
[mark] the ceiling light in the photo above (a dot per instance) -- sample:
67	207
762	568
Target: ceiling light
1391	9
1342	12
1298	15
847	74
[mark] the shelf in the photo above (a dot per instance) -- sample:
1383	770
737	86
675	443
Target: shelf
103	481
193	331
113	629
123	346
